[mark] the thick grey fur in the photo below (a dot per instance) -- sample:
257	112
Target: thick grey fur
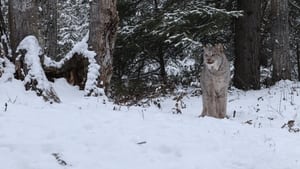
215	78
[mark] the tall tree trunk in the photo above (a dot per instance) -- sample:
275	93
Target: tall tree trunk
298	59
280	40
162	69
48	28
3	45
265	29
247	45
3	34
160	53
156	4
23	17
102	35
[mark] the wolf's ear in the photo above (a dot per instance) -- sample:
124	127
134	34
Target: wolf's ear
220	47
204	48
207	46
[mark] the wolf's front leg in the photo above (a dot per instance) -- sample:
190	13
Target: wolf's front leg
204	105
221	105
211	105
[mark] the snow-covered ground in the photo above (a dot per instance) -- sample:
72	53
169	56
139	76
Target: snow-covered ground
92	133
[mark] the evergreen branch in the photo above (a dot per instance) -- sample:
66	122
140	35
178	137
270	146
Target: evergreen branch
294	5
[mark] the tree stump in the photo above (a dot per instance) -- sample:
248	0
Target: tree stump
29	69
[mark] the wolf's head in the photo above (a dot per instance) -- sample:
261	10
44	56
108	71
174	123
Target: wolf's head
213	56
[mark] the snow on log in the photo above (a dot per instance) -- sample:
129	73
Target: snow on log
79	67
29	69
7	70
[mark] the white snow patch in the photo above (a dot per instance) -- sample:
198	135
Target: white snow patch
86	133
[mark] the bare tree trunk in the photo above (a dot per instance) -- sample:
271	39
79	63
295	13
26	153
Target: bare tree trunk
3	45
265	29
3	34
162	69
48	28
280	40
247	46
298	59
156	3
102	35
23	17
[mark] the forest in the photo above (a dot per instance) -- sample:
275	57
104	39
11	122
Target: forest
118	84
134	49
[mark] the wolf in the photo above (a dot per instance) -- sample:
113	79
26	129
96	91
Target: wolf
214	80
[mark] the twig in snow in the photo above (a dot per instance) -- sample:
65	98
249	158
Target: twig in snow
248	122
12	101
292	100
143	115
234	113
59	159
5	107
279	108
260	98
274	110
142	142
179	103
290	124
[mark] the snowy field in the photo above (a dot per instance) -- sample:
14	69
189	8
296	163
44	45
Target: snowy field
90	133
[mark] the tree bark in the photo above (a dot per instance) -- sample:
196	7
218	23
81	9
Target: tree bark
280	40
3	46
162	69
3	34
23	17
298	59
102	35
247	46
265	55
48	28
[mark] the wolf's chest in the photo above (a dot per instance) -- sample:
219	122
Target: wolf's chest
216	82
